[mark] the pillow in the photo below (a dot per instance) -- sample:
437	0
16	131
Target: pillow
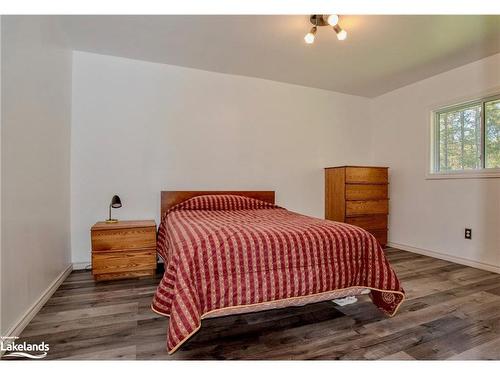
222	202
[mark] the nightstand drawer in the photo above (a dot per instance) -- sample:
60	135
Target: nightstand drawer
123	261
124	239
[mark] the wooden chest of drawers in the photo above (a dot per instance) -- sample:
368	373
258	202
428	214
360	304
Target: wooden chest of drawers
358	196
124	249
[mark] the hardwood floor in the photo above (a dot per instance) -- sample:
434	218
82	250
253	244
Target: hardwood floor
452	312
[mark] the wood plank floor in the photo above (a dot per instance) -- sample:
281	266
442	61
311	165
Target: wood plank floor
452	312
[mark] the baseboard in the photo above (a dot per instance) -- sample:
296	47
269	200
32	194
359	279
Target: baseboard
81	266
30	313
450	258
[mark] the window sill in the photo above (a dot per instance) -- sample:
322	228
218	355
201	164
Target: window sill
484	173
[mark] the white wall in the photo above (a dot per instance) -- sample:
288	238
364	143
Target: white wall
1	309
139	128
432	214
35	140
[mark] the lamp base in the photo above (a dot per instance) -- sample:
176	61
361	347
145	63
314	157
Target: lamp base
111	221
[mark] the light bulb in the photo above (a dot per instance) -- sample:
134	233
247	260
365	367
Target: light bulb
332	19
309	38
342	35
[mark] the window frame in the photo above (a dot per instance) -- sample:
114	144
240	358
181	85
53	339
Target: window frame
434	171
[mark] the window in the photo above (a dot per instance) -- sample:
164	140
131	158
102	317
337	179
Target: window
492	134
466	138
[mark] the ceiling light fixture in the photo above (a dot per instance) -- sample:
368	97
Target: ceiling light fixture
319	20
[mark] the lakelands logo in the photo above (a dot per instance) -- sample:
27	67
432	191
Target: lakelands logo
24	349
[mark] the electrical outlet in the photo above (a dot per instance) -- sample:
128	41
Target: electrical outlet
468	233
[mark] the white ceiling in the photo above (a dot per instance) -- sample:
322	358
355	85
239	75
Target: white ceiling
380	54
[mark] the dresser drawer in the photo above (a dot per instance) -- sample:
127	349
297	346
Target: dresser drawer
368	222
380	235
357	208
362	175
360	192
123	261
124	239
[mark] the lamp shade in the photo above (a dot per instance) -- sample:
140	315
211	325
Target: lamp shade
116	202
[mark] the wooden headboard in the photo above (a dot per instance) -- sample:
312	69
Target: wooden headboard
171	198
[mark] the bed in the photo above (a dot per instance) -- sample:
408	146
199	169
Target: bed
237	252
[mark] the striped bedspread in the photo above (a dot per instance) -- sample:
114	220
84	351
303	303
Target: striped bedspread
224	251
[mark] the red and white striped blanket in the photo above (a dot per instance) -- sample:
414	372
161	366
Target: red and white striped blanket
223	251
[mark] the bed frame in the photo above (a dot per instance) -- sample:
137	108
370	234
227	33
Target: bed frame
171	198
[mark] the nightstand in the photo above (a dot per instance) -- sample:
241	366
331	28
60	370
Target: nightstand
126	249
